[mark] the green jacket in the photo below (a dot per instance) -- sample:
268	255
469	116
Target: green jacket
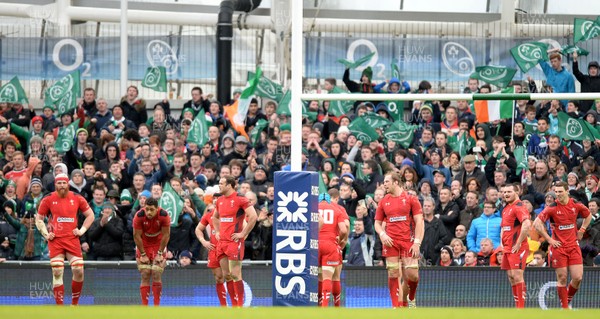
39	241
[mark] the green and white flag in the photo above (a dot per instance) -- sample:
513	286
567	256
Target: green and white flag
284	105
575	129
499	76
520	154
357	63
66	103
172	203
527	55
363	131
395	108
198	133
339	108
401	133
584	29
259	127
395	69
267	88
376	121
66	137
12	92
69	83
156	78
569	49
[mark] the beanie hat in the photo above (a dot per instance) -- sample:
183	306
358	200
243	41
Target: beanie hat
76	172
448	249
126	195
81	130
146	193
35	180
368	72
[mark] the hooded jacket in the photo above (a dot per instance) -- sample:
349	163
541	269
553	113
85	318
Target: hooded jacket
588	84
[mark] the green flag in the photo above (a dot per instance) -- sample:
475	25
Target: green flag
395	108
66	103
584	29
259	127
66	137
339	108
322	187
575	129
198	133
569	49
69	83
395	69
267	88
363	131
520	154
527	55
400	132
499	76
156	79
375	121
172	203
12	92
284	104
357	63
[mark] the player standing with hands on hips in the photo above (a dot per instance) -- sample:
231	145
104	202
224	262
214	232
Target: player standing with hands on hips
564	252
514	228
151	233
61	207
401	239
228	221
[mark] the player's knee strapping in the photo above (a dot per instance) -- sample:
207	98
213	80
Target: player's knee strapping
392	266
330	269
415	266
144	267
157	268
58	265
76	262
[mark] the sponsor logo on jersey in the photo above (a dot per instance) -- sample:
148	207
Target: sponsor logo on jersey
227	219
566	227
65	219
506	228
397	219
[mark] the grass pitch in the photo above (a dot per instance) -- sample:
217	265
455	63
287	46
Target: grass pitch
138	312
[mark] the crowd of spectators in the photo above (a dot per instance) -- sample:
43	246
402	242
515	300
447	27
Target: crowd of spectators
126	153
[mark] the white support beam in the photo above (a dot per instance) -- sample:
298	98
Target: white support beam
296	103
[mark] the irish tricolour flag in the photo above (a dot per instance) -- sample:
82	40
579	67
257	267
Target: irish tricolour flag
488	111
238	111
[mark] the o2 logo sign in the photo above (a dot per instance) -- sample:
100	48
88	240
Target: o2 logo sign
160	53
56	58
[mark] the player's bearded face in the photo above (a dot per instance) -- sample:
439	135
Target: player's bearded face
151	211
62	188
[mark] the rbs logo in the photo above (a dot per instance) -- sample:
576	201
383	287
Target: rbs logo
292	233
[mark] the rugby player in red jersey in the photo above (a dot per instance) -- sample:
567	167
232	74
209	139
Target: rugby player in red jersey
151	233
231	231
211	245
401	238
61	208
333	228
514	228
336	283
564	253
